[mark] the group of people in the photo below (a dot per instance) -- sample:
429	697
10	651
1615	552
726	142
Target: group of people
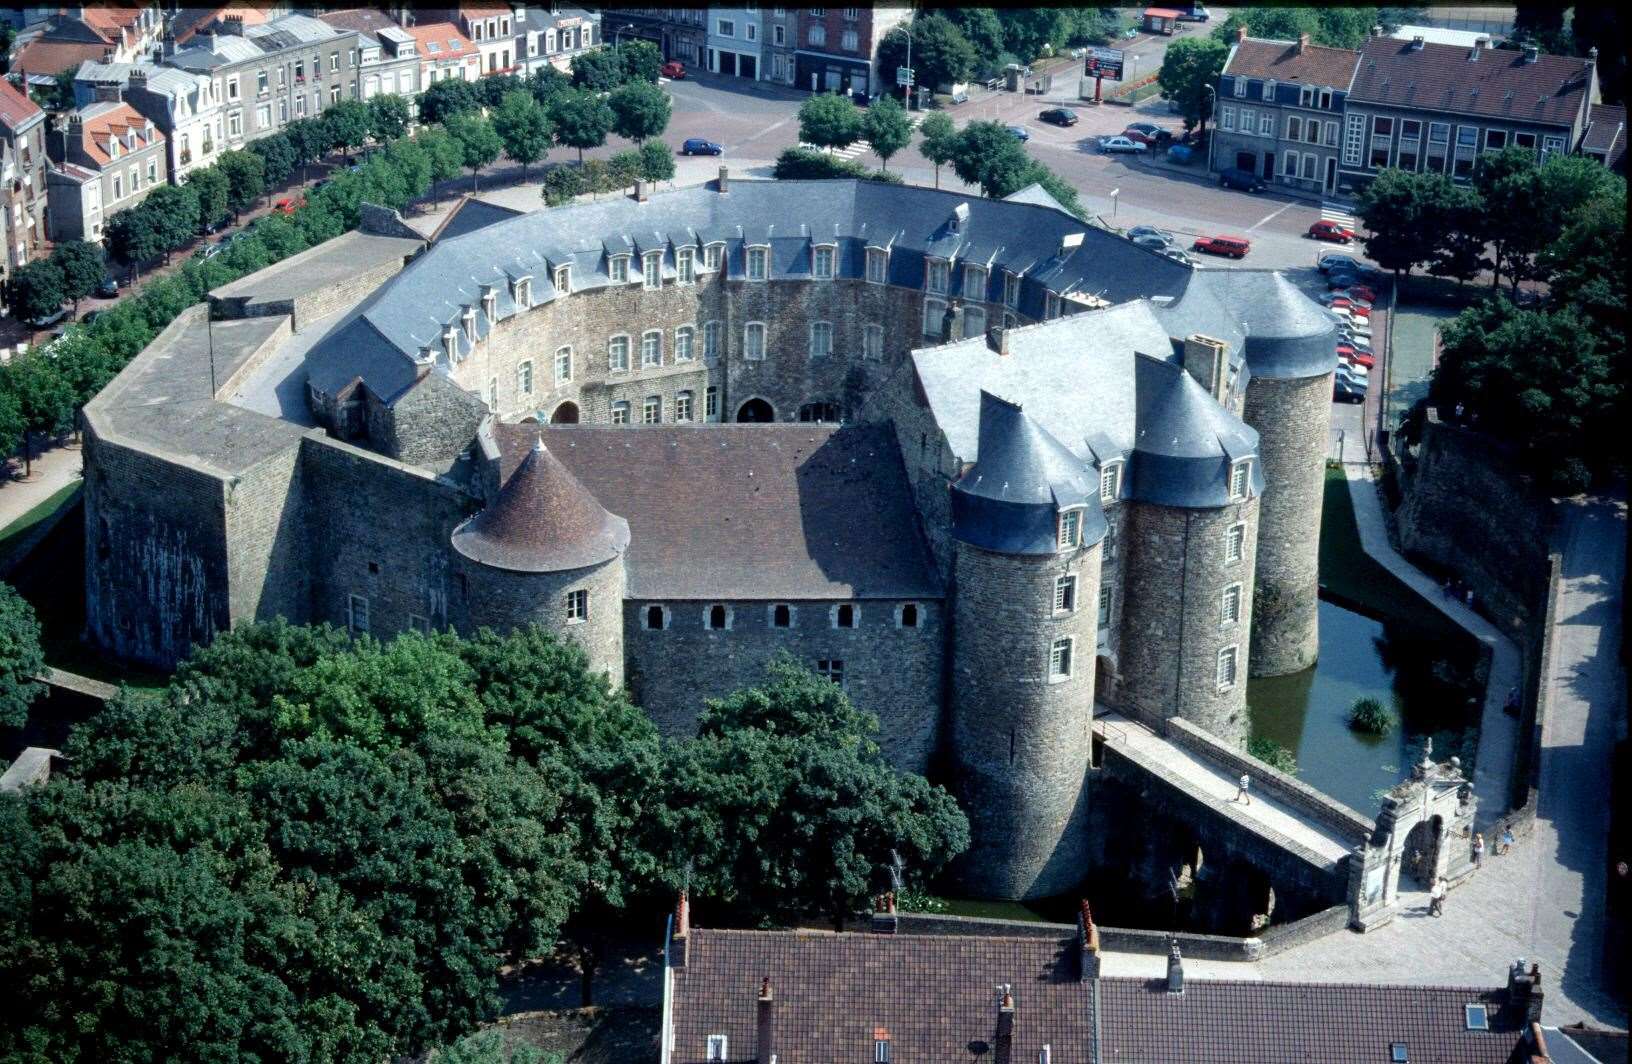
1457	591
1436	893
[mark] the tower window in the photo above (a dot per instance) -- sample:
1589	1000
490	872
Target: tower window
656	618
908	615
1229	608
1104	607
1059	659
1065	594
844	615
831	669
1110	481
357	615
781	615
1226	668
719	618
1070	528
577	606
1240	479
1235	543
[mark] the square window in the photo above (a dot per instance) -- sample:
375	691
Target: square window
711	402
974	283
1398	1054
1478	1017
832	669
907	615
934	312
844	615
781	615
822	264
712	255
1011	290
357	614
683	346
717	1046
684	266
657	618
577	606
682	406
620	412
719	618
878	265
1065	594
563	280
711	340
524	378
757	260
1059	659
936	279
1070	528
652	271
1240	479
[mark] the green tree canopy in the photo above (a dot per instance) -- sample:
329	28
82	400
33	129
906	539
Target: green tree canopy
36	290
277	158
347	122
211	186
82	268
387	116
246	179
441	100
598	71
1404	214
1027	29
524	128
478	144
887	127
986	154
446	154
175	214
45	399
642	61
1190	68
940	53
828	120
20	656
545	82
493	88
640	110
939	140
582	119
656	161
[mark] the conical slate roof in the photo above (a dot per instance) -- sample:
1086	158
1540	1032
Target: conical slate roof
1186	441
1009	499
1284	334
543	521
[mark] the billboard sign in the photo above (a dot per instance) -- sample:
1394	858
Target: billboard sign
1103	63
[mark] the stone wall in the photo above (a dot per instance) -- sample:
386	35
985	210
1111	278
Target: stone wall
930	464
267	571
309	303
1176	573
380	529
1274	939
434	421
502	600
156	575
1466	511
1021	738
1293	420
889	670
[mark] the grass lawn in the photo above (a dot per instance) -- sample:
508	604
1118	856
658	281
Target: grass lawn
1350	575
15	532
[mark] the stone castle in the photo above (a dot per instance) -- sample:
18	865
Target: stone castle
1011	466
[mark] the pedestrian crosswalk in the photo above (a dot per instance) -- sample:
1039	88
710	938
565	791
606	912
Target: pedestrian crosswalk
1333	212
856	150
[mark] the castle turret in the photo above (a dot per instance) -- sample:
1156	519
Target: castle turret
547	553
1291	353
1196	480
1027	527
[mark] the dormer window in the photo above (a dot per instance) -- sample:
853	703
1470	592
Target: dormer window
1051	307
490	302
1240	479
937	276
618	267
974	283
758	262
713	254
685	271
1070	531
563	280
821	263
651	274
878	265
470	324
450	343
1110	481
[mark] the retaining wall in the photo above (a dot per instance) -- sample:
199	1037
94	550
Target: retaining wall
1527	767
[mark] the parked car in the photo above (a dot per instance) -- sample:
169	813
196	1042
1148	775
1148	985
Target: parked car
209	251
1059	116
1181	153
1352	376
1194	13
673	69
1326	229
289	205
1347	392
1350	353
1355	332
107	288
90	316
1340	298
1020	133
1177	256
1326	260
1153	243
1150	230
1245	180
1120	145
699	146
1358	293
1235	247
47	321
1350	307
1147	133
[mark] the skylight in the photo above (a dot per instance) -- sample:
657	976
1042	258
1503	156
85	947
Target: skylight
1478	1019
1397	1054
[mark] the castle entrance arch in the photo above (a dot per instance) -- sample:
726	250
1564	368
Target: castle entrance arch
756	410
565	414
1423	831
1422	851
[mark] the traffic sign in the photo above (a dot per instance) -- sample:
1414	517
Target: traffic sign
1103	63
903	75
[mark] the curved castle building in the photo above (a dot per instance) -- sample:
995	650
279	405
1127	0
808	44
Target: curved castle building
1013	467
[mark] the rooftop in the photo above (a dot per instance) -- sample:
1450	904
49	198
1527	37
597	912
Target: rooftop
542	521
1313	64
16	108
441	40
107	123
1492	83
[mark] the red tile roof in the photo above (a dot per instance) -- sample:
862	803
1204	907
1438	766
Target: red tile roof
53	57
15	106
1499	84
104	127
450	43
1281	60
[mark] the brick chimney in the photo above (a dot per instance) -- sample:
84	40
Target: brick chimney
1175	968
233	25
1087	944
885	920
1303	43
1204	359
1004	1041
643	191
1416	44
765	1029
682	931
138	79
1531	54
724	183
1524	990
997	338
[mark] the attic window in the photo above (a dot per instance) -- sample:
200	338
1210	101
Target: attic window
1478	1018
1398	1054
1071	527
717	1047
470	324
619	269
450	343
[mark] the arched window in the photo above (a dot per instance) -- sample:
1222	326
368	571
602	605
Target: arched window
781	615
908	616
719	617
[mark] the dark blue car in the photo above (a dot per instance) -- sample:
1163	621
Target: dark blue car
699	146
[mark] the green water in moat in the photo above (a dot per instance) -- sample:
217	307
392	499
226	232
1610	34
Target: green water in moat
1426	677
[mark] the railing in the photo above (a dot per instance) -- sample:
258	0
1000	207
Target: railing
1112	733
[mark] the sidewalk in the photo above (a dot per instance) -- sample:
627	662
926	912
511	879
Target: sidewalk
1498	732
54	469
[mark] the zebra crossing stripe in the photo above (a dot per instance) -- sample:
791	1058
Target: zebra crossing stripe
1333	213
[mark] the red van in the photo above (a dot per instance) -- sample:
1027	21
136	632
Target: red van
1234	247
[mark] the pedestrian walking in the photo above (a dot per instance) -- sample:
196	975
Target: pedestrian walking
1505	843
1241	790
1478	849
1436	898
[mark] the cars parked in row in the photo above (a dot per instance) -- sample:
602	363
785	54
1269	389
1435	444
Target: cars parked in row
1149	134
1326	229
47	321
1234	247
1344	391
1120	145
107	288
1058	116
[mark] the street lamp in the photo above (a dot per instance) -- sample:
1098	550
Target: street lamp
617	34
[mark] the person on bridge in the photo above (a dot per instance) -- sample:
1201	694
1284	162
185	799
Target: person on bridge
1436	898
1241	790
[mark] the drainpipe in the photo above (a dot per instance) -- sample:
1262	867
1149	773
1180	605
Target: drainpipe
1184	594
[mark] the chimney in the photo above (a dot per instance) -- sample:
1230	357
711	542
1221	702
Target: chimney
643	192
949	321
1303	43
1240	34
233	25
1087	944
1376	31
1204	360
1531	54
1592	55
724	184
107	93
1416	44
215	40
682	931
997	338
138	79
1175	969
885	920
1005	1024
765	1037
1524	990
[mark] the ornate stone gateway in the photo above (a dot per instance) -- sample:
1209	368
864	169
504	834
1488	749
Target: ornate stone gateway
1424	831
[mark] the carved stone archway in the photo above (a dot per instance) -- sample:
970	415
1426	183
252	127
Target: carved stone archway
1424	831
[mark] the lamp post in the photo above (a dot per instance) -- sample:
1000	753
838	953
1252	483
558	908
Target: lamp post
1209	100
617	34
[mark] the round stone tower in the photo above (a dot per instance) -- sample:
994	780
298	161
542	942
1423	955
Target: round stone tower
1027	527
547	553
1189	574
1291	352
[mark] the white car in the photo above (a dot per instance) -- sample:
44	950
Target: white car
1125	145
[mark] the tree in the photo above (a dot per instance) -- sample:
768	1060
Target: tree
82	269
639	110
175	215
939	140
523	128
545	82
1400	210
601	70
495	87
1510	187
1588	266
277	158
623	169
783	804
36	290
642	61
211	187
980	28
133	237
986	154
447	156
348	124
941	54
582	119
490	1047
308	139
21	659
829	121
245	179
387	116
412	163
444	99
1027	30
656	161
1054	185
478	144
44	397
808	164
12	427
1459	251
563	184
1189	70
887	128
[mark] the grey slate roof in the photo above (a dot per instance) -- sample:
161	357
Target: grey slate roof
759	512
411	310
1283	333
1186	440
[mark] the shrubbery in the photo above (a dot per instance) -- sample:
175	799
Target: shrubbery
807	164
1370	717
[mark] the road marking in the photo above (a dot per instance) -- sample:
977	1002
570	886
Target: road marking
1333	212
1271	217
768	129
